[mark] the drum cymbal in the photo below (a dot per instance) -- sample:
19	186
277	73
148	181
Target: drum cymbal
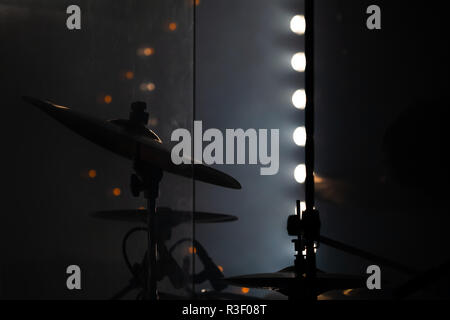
208	295
286	281
163	215
220	295
117	137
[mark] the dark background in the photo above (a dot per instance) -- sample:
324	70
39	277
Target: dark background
364	81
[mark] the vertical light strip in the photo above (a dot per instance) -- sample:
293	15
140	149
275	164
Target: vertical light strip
298	63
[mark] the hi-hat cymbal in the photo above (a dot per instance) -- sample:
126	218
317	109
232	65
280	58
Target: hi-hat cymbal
287	281
117	137
167	215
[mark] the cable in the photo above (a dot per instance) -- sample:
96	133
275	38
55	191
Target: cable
124	248
211	271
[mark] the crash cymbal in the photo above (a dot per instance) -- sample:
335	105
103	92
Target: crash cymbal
287	282
118	136
164	215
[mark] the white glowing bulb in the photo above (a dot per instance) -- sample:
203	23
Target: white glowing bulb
299	136
298	24
300	173
298	62
299	99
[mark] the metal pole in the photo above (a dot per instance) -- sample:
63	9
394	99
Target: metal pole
151	291
309	147
309	111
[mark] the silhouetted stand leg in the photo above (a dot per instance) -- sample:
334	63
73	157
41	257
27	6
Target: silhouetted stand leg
147	180
151	288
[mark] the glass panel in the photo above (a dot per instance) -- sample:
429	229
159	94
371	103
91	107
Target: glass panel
123	52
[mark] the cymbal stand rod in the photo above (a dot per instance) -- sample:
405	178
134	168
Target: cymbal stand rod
151	292
147	179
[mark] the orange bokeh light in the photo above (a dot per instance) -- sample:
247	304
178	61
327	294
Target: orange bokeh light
117	192
172	26
192	2
107	99
92	173
192	250
220	268
245	290
149	51
151	86
129	75
153	122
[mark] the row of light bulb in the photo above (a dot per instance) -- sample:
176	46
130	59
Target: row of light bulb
298	63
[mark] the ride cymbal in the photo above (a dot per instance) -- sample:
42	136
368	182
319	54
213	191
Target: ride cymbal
118	137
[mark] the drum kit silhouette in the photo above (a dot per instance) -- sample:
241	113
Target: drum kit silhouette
131	138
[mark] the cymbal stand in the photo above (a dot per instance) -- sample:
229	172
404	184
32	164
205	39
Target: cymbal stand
147	179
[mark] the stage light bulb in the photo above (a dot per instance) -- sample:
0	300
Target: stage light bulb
299	99
298	62
299	136
298	24
300	173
